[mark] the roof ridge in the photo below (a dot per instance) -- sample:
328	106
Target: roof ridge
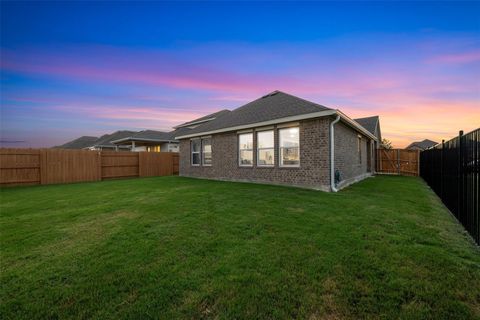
291	95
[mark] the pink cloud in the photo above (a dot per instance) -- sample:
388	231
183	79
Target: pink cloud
462	57
415	100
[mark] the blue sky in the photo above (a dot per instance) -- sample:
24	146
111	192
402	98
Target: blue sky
71	69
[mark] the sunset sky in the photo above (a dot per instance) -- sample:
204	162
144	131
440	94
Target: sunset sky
73	69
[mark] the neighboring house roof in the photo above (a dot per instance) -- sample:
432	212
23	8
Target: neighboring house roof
79	143
106	140
273	107
203	119
424	144
372	124
147	135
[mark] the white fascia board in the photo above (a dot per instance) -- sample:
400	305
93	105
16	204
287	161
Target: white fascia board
356	125
263	123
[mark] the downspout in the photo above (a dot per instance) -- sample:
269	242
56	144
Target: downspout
332	154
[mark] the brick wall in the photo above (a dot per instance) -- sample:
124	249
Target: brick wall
314	158
312	173
346	155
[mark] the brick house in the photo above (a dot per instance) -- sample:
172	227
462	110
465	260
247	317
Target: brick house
421	145
279	139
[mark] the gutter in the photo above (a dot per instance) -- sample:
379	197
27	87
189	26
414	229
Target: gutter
332	153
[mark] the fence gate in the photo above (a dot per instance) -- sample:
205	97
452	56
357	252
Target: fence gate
398	161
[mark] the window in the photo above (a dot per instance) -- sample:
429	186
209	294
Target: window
245	149
207	152
195	147
265	149
289	146
359	148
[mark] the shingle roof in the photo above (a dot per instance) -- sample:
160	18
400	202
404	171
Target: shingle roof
106	139
369	123
79	143
151	135
424	144
272	106
204	118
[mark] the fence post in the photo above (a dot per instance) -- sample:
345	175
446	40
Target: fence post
138	159
398	161
99	165
43	165
441	169
460	177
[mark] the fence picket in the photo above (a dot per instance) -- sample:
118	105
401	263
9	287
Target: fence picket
451	169
49	166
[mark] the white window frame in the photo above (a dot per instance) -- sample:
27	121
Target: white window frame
239	150
280	158
195	152
203	152
269	148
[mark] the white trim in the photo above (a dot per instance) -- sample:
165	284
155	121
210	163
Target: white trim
280	165
203	152
238	149
245	131
269	148
356	125
288	125
265	129
263	123
192	152
332	154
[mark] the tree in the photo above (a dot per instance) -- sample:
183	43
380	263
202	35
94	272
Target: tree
386	144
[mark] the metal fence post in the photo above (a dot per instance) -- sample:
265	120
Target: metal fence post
460	178
441	169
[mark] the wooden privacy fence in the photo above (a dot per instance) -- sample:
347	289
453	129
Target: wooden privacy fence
398	161
49	166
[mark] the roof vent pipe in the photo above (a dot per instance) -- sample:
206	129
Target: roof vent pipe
332	154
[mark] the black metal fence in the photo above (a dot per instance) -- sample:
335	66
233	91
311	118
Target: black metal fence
452	171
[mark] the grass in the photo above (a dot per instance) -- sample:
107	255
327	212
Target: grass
175	247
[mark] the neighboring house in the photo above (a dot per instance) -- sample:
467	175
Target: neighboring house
372	124
105	141
79	143
149	140
279	139
421	145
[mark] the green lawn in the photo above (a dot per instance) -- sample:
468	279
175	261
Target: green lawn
175	247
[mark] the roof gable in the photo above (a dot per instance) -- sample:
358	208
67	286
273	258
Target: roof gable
79	143
106	139
424	144
372	124
369	123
